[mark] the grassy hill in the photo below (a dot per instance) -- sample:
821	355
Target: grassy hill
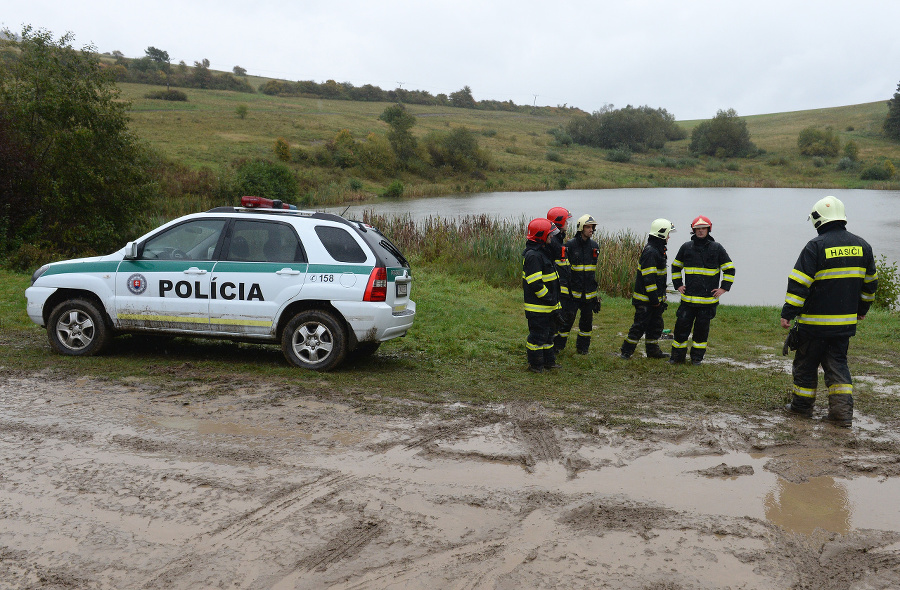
206	132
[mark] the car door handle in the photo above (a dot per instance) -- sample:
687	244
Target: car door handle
194	271
287	271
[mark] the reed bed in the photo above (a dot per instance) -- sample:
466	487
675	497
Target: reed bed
484	248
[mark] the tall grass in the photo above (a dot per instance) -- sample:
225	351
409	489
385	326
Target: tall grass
478	246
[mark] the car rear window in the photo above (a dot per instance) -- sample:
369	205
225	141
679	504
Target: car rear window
340	244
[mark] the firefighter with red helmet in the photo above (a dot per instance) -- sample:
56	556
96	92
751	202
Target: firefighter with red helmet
584	297
695	275
560	216
540	283
830	288
649	297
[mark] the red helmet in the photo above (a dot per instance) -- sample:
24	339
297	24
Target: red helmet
701	221
559	216
540	229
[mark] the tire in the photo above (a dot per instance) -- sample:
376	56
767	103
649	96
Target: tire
314	339
77	328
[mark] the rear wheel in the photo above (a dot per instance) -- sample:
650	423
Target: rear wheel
314	339
77	328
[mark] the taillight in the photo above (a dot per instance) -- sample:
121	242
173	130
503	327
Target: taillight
376	290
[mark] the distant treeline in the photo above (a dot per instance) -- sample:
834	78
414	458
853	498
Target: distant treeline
147	70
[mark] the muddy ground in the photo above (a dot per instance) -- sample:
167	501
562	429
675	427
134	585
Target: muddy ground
105	484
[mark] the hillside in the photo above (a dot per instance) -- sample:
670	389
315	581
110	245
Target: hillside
206	132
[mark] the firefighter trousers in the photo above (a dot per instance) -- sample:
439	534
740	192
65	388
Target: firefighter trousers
539	345
831	355
690	318
648	322
584	307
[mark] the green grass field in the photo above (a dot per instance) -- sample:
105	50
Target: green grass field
206	132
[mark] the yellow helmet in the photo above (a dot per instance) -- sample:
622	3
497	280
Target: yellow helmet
661	228
585	220
827	210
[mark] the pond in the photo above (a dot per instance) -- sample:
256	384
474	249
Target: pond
763	230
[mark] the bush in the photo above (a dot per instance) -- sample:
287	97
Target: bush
553	156
620	155
815	142
639	129
725	135
394	190
891	124
264	178
846	163
888	285
282	149
851	150
167	95
883	170
560	136
818	162
457	150
241	111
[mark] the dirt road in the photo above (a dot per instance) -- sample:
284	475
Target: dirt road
238	485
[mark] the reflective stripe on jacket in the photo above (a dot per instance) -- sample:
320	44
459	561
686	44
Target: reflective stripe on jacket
697	266
582	255
540	281
833	282
650	280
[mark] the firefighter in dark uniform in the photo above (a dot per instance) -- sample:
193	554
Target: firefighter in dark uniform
829	290
560	216
540	283
582	253
700	261
649	297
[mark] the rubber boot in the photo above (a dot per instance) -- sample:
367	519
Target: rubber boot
840	410
655	352
801	406
550	359
677	356
582	343
627	350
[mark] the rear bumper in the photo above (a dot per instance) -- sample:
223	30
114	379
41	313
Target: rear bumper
376	322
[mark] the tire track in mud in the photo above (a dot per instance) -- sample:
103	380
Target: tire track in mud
536	433
346	544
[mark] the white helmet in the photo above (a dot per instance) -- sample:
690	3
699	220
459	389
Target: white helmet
661	228
827	210
585	220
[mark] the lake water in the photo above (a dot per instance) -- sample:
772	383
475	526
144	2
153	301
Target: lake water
763	230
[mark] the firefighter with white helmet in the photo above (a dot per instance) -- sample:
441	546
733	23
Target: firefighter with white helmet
830	289
649	297
696	272
540	284
582	253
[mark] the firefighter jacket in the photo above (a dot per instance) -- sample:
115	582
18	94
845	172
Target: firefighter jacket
650	281
833	282
582	255
560	259
700	263
540	281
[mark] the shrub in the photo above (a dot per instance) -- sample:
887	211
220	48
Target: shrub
177	95
394	190
639	129
733	166
846	163
883	170
553	156
725	135
457	150
264	178
489	132
355	184
891	124
620	155
818	162
241	111
282	149
28	257
851	150
560	136
888	285
815	142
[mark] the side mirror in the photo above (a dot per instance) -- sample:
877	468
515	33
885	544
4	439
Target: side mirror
131	251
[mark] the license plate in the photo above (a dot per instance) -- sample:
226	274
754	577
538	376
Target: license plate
402	289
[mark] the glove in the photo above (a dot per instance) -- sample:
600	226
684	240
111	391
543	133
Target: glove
597	305
558	317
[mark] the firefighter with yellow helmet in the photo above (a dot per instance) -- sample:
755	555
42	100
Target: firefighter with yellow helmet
584	297
649	297
540	284
830	289
695	275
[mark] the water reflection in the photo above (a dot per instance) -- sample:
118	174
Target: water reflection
762	229
820	502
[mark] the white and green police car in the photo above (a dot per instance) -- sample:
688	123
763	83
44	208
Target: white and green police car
316	283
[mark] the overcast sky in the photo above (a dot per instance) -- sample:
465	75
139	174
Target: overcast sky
691	58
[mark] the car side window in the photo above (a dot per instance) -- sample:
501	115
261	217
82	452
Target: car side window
340	244
264	241
192	240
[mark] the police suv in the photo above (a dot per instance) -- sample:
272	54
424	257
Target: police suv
321	285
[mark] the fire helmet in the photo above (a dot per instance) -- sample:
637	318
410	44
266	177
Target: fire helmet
661	228
540	230
585	220
701	221
827	210
559	216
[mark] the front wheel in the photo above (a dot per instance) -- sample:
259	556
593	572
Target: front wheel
77	328
314	339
